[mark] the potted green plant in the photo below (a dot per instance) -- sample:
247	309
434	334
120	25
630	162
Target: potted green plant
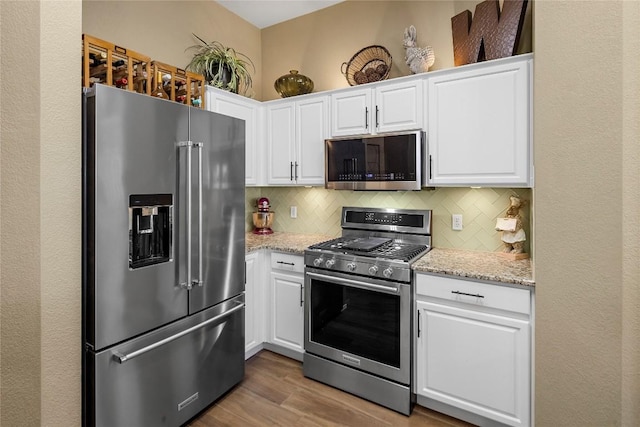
221	66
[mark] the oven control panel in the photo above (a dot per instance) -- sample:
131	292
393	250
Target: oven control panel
371	267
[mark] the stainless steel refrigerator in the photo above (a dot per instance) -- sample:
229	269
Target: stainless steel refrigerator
163	258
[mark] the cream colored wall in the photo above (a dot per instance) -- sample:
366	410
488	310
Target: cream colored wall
630	213
163	29
319	211
317	44
20	204
40	212
586	213
60	215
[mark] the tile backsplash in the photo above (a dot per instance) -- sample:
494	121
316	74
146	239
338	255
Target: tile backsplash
319	211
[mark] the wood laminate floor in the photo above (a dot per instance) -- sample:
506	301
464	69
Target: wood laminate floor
274	392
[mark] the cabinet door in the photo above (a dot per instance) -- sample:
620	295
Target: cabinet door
398	107
287	311
475	361
312	117
350	112
254	311
232	105
281	143
479	126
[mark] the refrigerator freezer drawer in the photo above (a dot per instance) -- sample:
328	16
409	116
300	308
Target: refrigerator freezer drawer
166	377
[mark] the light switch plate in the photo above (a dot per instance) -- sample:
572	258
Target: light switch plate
294	212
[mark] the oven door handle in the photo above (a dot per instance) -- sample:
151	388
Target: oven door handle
354	283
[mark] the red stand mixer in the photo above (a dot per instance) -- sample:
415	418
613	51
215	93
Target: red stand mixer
263	219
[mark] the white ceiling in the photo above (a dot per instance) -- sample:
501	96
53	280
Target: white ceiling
264	13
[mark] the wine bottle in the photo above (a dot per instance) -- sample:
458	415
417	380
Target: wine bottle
122	82
98	58
159	89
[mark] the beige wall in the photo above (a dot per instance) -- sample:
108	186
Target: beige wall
317	44
630	212
586	213
163	29
40	214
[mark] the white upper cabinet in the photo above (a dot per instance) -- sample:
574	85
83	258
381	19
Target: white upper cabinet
229	104
312	119
296	131
479	130
380	108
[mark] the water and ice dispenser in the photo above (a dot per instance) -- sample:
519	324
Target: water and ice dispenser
150	226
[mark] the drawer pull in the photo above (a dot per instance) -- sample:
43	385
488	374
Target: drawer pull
286	263
469	295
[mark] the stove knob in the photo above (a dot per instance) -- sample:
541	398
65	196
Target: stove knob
330	263
317	262
387	272
373	270
351	266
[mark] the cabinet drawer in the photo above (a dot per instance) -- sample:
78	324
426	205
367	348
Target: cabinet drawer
287	262
474	293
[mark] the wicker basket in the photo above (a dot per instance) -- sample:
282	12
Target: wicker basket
369	64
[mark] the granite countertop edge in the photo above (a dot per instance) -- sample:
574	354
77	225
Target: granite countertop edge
486	266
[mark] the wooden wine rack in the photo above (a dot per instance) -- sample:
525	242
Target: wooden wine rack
142	75
179	85
104	62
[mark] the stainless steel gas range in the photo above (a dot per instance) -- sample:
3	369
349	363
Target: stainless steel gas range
358	299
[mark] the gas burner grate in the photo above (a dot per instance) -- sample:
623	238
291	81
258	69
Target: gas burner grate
391	250
401	251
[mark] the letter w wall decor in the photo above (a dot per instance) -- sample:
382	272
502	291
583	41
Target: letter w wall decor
491	35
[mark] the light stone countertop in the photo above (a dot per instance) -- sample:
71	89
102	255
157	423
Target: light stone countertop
294	243
488	266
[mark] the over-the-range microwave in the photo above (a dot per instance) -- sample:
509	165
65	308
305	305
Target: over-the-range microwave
377	162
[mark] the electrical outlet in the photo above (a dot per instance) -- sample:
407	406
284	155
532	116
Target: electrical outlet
456	222
294	212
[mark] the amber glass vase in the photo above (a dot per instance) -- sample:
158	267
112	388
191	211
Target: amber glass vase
293	84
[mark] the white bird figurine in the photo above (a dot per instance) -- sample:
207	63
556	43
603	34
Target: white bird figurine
419	59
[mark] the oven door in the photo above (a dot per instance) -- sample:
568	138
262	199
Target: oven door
360	322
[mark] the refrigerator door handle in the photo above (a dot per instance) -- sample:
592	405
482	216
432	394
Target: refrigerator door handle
188	144
122	358
198	280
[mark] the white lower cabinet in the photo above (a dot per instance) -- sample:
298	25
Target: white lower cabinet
473	348
254	313
286	305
